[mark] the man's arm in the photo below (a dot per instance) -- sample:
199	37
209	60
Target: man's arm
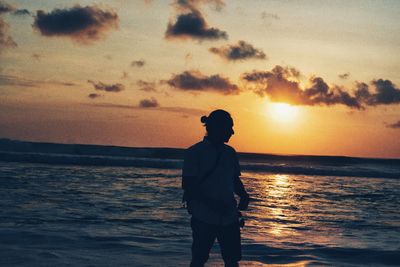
187	186
189	172
241	192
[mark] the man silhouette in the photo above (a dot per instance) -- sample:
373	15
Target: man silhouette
210	177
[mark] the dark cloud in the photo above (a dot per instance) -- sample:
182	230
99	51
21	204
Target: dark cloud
149	103
5	7
146	86
278	71
319	93
117	87
22	12
83	24
344	76
192	25
395	125
138	63
239	51
195	81
94	95
281	84
385	93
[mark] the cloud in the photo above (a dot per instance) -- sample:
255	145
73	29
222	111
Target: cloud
94	95
278	84
7	8
319	93
117	87
395	125
146	86
138	63
83	25
10	80
282	84
36	56
239	51
22	12
149	103
195	4
185	111
67	83
192	25
385	93
344	76
266	15
6	41
181	110
195	81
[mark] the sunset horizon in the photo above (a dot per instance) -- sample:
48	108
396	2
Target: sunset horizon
298	78
199	133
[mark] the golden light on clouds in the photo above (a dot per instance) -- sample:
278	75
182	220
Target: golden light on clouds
281	76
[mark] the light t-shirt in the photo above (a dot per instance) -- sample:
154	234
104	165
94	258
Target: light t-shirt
219	185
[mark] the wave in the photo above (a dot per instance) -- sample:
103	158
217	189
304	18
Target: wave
315	255
323	170
303	168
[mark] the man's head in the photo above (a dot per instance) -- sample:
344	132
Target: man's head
219	126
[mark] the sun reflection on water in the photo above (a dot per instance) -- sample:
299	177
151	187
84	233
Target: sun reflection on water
278	191
293	209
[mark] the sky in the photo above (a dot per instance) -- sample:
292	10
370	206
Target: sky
298	77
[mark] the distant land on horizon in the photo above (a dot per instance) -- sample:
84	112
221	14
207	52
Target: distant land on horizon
21	146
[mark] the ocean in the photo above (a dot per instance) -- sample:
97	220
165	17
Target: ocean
87	209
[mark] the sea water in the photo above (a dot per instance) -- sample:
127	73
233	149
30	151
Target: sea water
70	215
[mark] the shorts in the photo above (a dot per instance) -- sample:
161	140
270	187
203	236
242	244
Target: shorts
204	236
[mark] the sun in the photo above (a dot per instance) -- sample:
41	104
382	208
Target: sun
282	112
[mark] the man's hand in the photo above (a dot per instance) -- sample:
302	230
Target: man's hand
244	202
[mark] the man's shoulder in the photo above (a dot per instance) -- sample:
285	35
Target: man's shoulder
229	149
195	148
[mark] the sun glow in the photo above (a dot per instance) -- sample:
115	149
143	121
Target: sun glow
282	112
